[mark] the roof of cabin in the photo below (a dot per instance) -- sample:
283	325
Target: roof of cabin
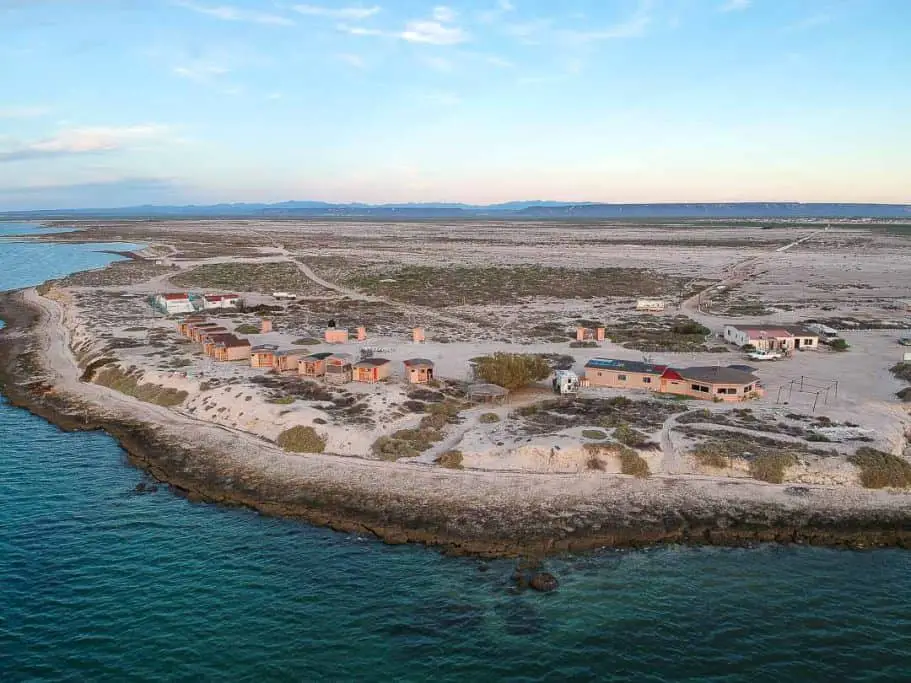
717	375
371	363
175	296
413	362
323	355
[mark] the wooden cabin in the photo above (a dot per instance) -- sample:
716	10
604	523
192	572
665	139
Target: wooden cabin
313	365
418	370
210	341
263	356
338	368
286	361
195	330
333	335
232	349
371	370
183	325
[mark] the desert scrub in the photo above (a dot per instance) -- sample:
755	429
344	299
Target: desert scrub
594	463
301	440
711	455
595	434
771	467
839	345
248	277
283	400
489	418
633	464
880	470
630	437
450	459
128	383
902	371
512	370
406	443
306	341
247	328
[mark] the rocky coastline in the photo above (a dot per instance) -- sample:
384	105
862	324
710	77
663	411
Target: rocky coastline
483	514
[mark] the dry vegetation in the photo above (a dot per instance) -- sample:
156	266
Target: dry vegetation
248	277
117	274
555	415
450	459
881	470
459	285
129	383
512	370
301	440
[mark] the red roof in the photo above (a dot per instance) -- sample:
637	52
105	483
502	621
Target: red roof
175	297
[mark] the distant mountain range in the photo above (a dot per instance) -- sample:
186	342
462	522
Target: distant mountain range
508	210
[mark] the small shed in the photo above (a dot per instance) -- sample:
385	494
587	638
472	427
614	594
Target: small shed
418	370
263	356
313	365
196	330
334	335
487	393
371	370
183	325
232	349
211	340
338	368
417	335
286	361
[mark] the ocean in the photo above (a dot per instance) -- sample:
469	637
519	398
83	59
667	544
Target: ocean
99	582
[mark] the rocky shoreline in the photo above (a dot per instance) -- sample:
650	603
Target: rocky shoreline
484	514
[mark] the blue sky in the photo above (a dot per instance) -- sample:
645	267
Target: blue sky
118	102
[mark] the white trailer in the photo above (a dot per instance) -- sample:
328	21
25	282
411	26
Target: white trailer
565	382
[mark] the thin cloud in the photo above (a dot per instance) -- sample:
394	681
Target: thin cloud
432	33
501	9
634	27
23	112
444	14
200	72
735	5
231	13
88	140
352	60
343	13
362	31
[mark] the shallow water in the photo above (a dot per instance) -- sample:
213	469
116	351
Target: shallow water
98	582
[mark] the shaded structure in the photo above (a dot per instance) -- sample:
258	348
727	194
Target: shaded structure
487	393
313	365
286	361
263	356
371	370
418	370
338	368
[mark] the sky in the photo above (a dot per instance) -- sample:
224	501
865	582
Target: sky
124	102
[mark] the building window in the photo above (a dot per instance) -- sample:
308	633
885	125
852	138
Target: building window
646	380
747	389
622	378
726	390
699	387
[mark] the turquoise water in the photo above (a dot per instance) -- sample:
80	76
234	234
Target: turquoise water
99	583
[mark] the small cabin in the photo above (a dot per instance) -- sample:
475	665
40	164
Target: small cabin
338	368
196	330
418	370
174	303
371	370
211	301
211	340
286	361
313	365
183	326
417	335
263	356
334	335
232	349
265	326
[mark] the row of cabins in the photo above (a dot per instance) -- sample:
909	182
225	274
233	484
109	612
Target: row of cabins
217	342
337	368
732	383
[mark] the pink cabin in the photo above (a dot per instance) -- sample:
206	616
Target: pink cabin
334	335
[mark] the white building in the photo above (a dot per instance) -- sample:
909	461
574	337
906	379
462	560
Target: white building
772	337
176	303
211	301
650	305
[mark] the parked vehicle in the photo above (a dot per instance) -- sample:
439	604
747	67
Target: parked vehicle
566	382
905	341
764	355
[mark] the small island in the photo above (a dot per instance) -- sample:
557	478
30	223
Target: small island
494	389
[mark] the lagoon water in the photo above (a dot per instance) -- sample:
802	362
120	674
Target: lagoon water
99	583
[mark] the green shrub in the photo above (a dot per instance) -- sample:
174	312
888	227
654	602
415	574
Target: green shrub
770	467
126	383
595	434
247	328
711	455
881	470
301	440
450	459
902	371
283	401
839	345
306	341
632	463
512	370
629	436
818	438
387	448
905	394
690	327
489	418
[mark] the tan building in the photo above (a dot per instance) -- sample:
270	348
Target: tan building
263	356
313	365
208	344
286	361
232	349
183	326
418	370
195	330
338	368
371	370
772	337
333	335
733	383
